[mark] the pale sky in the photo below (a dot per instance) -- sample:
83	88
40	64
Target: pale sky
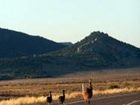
72	20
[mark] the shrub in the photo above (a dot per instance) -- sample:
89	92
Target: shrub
113	86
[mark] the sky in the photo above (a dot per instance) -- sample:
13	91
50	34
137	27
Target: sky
72	20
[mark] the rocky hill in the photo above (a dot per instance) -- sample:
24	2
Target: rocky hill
100	47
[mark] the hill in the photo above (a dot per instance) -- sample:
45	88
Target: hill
16	44
100	48
95	52
99	43
67	43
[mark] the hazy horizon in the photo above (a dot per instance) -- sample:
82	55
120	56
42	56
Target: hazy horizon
72	20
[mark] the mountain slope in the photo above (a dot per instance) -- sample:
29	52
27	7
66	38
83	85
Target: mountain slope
101	47
97	51
16	44
98	42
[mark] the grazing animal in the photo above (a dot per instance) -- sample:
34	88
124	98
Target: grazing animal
62	97
49	98
87	92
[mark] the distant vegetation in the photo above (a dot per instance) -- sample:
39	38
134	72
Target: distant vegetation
97	51
113	86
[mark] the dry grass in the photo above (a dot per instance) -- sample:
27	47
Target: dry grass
23	101
31	91
42	99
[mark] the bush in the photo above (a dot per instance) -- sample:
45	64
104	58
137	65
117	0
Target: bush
113	86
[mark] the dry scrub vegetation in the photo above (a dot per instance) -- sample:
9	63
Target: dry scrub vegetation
33	91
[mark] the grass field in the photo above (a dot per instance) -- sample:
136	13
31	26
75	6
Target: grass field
33	91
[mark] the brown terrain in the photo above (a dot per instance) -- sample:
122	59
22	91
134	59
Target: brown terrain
110	87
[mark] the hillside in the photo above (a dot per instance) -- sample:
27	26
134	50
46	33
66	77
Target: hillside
16	44
99	43
99	50
95	52
67	43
